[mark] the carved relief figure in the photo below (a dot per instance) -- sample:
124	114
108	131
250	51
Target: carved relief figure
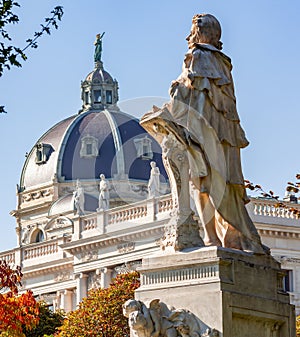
98	47
139	319
154	181
25	234
156	319
185	323
78	199
159	313
104	193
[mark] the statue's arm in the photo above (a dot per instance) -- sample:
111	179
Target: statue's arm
102	35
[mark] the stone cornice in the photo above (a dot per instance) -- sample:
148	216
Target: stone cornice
49	267
287	259
37	188
107	240
269	232
32	208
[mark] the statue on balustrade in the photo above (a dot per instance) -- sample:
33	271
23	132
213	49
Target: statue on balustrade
154	181
199	129
78	199
104	193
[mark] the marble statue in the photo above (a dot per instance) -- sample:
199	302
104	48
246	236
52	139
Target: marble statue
156	319
25	235
139	319
98	47
104	193
202	123
154	181
78	198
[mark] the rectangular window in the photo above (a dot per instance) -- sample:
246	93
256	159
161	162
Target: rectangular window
108	96
43	152
89	150
39	156
145	150
288	280
97	96
87	101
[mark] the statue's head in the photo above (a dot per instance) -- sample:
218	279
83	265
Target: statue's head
98	36
205	29
137	320
131	306
102	176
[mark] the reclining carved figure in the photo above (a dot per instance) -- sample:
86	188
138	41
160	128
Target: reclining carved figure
156	319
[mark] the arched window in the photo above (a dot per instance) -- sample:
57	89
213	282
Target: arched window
38	236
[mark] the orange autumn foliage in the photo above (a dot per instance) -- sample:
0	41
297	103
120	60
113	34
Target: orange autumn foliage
100	314
16	310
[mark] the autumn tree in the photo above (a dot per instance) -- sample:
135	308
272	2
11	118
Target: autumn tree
298	326
100	314
48	323
16	310
11	55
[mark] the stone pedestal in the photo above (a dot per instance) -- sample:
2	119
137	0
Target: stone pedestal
238	294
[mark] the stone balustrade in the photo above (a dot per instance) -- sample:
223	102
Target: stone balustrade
270	208
165	204
90	222
9	257
143	212
41	249
127	214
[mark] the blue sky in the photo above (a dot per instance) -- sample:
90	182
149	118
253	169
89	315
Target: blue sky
143	48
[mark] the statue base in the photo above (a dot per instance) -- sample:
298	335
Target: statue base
232	293
180	233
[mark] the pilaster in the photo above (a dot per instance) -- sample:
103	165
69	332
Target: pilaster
64	300
82	287
106	274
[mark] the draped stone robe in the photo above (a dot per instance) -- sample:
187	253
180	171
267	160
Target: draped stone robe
204	104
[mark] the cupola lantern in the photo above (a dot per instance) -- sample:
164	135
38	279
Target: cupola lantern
99	90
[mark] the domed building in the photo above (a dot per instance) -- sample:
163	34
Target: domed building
100	140
82	147
76	230
88	144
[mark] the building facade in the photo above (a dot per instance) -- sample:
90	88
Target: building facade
70	240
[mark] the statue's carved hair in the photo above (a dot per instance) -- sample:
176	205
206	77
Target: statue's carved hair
205	29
